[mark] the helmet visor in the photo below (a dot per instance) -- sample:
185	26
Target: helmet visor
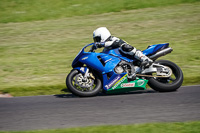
97	39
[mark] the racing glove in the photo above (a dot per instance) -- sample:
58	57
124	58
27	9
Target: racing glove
98	45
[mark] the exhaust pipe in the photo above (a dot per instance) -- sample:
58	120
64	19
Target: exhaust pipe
161	53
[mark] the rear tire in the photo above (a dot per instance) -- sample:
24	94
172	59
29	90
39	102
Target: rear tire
78	90
167	84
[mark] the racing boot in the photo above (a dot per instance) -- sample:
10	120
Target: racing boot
145	61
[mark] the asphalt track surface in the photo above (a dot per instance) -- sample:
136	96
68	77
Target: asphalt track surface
64	111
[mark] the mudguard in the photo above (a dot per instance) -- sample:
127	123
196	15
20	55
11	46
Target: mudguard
81	69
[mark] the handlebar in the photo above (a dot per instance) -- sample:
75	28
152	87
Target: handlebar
92	49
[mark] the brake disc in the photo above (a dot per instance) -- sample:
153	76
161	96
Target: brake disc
83	82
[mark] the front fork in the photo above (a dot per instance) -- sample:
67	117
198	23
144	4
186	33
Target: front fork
85	72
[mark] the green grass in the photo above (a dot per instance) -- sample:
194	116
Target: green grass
29	10
36	56
178	127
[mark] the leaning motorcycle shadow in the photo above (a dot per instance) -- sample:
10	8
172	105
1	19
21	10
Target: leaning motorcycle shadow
102	94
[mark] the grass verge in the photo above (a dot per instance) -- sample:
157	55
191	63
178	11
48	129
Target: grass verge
36	56
178	127
23	10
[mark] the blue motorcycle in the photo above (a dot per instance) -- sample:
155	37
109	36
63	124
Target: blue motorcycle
109	72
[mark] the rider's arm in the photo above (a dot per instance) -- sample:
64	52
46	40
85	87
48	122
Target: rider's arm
114	42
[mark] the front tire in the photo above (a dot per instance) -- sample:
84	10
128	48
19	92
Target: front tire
167	84
77	89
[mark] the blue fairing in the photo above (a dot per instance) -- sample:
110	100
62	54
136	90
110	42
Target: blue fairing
105	62
152	49
81	52
117	53
100	62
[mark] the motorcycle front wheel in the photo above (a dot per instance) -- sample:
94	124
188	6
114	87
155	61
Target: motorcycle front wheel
82	87
167	84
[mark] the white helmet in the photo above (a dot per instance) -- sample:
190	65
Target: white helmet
101	34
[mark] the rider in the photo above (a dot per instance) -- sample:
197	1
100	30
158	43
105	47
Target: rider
102	38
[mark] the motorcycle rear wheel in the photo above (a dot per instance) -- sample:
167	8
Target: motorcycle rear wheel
167	84
79	90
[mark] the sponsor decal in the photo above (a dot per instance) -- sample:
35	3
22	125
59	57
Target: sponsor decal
108	60
128	85
112	82
119	82
140	82
84	58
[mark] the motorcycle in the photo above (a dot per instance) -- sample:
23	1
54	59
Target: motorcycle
109	72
